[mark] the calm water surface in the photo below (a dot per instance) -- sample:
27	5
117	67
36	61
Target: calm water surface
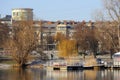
38	74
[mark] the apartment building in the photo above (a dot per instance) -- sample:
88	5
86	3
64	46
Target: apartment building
66	28
24	14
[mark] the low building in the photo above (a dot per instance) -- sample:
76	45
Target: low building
116	59
6	20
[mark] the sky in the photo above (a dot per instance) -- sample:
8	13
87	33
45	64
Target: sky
54	10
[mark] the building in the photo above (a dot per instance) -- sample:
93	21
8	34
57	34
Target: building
66	29
24	14
116	59
61	28
6	20
45	31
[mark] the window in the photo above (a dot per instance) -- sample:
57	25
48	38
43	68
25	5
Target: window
16	13
13	13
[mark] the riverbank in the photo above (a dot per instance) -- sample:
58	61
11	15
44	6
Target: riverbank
5	66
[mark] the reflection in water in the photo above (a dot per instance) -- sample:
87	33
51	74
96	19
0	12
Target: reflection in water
15	74
56	75
38	74
20	74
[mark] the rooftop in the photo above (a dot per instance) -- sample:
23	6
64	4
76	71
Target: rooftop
22	9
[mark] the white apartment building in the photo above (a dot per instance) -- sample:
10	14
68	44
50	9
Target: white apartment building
61	28
19	14
66	29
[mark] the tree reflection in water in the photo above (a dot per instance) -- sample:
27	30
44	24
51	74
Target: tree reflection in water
15	74
39	74
22	74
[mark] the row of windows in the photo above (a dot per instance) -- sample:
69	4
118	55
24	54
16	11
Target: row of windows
19	13
61	28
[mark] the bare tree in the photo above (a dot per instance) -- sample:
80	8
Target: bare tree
98	15
22	42
86	39
4	33
113	9
108	26
107	36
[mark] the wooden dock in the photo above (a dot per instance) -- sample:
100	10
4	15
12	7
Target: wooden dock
69	67
56	68
96	67
79	65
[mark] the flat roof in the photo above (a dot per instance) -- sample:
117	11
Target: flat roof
118	53
22	9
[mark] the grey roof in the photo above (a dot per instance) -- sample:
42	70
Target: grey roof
49	25
6	18
22	9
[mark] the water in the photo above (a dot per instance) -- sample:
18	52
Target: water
38	74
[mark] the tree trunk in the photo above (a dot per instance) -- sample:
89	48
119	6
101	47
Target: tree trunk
111	53
84	55
21	65
94	54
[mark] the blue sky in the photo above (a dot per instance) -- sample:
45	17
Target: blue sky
54	9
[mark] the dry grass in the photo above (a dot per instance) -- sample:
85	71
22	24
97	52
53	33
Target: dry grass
90	61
